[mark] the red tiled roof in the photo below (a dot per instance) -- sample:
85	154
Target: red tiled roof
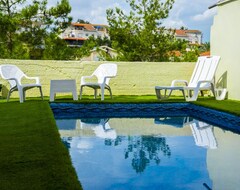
180	33
88	26
71	38
175	53
183	32
193	31
206	53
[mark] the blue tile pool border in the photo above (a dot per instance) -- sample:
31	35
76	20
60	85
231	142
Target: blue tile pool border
214	117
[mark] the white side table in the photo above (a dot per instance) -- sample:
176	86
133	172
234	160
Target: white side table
63	86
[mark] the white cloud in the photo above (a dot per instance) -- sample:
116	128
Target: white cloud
193	14
92	10
171	23
98	15
84	145
208	14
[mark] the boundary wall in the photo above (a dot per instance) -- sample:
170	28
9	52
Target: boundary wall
133	78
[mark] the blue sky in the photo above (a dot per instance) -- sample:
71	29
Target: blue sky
193	14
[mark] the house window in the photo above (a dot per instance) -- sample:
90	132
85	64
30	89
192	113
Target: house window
72	34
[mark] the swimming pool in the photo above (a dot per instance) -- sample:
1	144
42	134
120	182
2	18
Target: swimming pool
150	147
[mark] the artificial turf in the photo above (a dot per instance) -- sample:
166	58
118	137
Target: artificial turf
31	153
229	106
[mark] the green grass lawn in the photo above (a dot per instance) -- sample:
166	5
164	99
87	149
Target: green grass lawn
31	153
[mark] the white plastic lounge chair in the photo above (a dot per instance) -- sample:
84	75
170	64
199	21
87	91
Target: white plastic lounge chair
203	134
100	127
14	76
202	79
104	73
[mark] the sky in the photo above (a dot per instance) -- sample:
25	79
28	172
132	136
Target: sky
192	14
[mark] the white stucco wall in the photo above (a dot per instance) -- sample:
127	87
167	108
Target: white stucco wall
225	41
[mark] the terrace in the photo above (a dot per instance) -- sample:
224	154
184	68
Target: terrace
35	142
32	155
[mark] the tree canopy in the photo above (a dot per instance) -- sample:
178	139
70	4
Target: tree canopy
140	35
26	28
31	29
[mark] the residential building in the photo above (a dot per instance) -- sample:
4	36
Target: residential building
98	54
77	33
226	43
192	36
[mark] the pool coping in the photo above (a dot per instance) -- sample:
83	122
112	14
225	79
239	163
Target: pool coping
224	120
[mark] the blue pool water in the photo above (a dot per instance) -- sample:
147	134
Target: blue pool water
144	152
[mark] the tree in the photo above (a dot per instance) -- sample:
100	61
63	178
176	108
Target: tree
205	47
9	19
27	26
140	35
83	21
191	53
183	28
143	150
57	49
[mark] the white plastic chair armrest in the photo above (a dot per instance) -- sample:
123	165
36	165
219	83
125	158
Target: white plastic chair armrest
85	77
203	81
33	78
16	80
179	81
105	78
110	76
198	84
10	78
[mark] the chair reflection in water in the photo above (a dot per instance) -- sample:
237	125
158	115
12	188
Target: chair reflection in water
202	132
100	127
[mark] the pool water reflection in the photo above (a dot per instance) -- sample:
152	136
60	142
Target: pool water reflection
151	153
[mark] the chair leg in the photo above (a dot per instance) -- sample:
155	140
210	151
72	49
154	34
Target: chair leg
164	96
158	93
191	96
40	89
110	92
213	90
24	95
220	94
8	96
95	93
21	96
81	89
183	93
10	92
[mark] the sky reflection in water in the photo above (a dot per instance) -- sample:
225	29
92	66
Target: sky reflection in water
161	153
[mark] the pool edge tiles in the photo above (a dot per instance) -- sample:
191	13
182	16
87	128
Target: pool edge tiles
219	118
71	110
215	117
